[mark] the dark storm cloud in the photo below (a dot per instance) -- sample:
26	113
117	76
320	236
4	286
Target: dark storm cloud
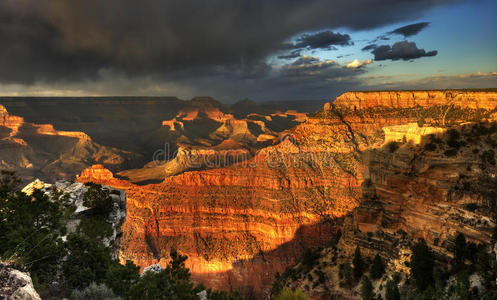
71	41
323	40
402	50
369	47
291	55
410	30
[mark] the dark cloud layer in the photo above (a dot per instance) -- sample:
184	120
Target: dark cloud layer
410	30
323	40
291	55
76	41
402	50
369	47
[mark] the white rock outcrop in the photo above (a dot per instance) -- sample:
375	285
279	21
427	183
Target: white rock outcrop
16	285
75	192
155	268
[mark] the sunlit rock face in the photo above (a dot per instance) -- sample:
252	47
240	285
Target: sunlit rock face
254	217
424	188
431	192
404	99
438	181
39	150
241	224
56	138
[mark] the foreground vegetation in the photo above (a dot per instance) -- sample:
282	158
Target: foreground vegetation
79	265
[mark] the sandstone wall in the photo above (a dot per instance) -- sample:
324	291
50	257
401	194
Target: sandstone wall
402	99
241	224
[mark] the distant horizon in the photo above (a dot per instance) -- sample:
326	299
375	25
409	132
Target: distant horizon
246	98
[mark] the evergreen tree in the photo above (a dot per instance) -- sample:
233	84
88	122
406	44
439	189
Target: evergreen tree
30	229
459	251
378	268
358	263
367	289
87	261
120	278
171	283
422	265
277	285
392	291
463	285
98	199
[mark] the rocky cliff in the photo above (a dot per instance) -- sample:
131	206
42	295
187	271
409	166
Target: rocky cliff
405	99
254	217
55	138
39	150
15	284
431	181
361	159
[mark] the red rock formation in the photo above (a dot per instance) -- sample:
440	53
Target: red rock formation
11	122
241	224
255	217
39	150
403	99
430	187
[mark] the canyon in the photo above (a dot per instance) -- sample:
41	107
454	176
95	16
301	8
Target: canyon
359	165
39	150
56	138
246	191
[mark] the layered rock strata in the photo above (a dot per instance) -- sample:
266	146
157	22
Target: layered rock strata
39	150
430	181
241	224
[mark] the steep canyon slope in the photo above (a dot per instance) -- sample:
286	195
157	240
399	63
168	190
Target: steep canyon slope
433	178
258	216
127	133
39	150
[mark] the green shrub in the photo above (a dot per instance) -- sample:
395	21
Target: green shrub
310	257
422	262
471	206
392	291
94	291
87	261
451	152
431	146
30	230
392	147
98	199
367	289
488	157
378	268
172	282
453	134
120	278
358	263
95	227
346	275
459	249
288	294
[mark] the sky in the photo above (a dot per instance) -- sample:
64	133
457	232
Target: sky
236	49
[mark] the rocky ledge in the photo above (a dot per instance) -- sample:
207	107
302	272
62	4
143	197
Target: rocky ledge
15	284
